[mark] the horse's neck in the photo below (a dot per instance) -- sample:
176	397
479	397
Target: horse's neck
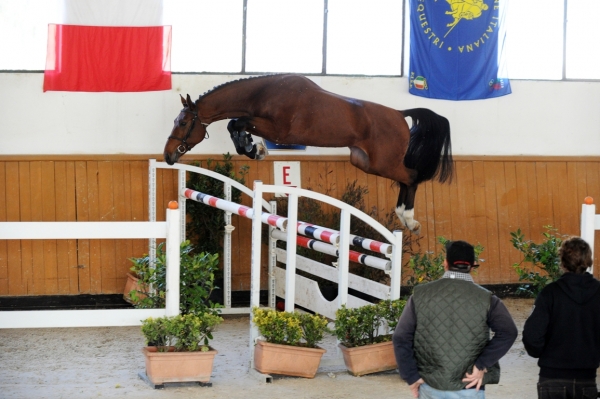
230	101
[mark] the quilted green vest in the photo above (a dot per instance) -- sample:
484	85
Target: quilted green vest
451	330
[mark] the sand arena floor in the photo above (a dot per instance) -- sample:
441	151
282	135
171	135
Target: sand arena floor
105	362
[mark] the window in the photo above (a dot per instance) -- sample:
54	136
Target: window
284	36
364	38
583	40
24	33
535	39
206	35
546	39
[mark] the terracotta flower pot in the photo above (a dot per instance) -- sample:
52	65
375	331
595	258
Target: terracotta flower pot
131	284
289	360
369	358
172	366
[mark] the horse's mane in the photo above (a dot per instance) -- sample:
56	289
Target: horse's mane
222	85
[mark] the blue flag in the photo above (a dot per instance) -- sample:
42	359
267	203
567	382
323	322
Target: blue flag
456	49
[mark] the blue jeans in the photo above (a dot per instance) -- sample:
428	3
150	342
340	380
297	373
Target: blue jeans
427	392
554	388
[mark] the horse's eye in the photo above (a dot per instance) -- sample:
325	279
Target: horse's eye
182	123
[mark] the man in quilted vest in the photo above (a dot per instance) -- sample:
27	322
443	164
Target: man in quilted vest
442	340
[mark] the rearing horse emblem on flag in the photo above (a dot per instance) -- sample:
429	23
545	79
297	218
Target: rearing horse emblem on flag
457	46
464	9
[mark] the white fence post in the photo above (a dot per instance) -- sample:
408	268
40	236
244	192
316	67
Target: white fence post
343	258
255	262
290	267
588	224
396	273
228	229
173	260
272	258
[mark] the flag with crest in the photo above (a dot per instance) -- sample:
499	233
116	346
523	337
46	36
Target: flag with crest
457	49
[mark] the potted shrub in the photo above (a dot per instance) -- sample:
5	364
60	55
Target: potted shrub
178	347
133	284
289	344
197	280
365	336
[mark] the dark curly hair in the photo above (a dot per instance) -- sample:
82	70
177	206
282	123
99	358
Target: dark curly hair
575	255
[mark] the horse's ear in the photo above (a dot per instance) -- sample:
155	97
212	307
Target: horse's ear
191	105
183	100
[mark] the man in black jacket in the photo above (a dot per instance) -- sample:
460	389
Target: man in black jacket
563	330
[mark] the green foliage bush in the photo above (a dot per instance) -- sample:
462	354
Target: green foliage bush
290	328
542	257
197	280
361	326
187	333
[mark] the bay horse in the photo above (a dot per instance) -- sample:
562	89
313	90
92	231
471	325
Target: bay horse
292	109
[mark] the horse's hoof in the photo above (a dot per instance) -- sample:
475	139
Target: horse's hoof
261	151
400	214
416	229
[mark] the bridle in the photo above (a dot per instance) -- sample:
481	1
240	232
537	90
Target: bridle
184	146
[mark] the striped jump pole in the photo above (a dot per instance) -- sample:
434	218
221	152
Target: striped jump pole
308	229
357	241
329	249
228	206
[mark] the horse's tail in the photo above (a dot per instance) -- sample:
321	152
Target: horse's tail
430	149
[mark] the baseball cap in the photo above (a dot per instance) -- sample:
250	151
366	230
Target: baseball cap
460	255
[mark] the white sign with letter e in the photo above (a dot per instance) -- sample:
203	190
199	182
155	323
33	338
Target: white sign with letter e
286	174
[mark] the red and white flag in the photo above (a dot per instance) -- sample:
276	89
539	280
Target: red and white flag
109	45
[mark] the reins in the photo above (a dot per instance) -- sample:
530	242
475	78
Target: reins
184	146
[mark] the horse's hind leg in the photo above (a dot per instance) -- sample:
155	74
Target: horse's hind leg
405	208
242	140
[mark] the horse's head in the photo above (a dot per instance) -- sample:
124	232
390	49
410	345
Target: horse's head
187	131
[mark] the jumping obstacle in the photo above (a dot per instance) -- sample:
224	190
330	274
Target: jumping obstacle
311	230
590	222
285	283
314	231
98	230
309	296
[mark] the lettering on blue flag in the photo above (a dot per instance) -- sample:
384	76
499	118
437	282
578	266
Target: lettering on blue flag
457	49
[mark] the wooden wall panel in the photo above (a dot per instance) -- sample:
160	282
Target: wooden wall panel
479	221
489	198
28	259
66	250
3	243
47	196
15	266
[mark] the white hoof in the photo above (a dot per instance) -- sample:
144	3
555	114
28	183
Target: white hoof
416	229
261	151
410	222
400	213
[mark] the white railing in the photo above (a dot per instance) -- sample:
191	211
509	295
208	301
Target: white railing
98	230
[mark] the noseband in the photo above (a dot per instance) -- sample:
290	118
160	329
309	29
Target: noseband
184	146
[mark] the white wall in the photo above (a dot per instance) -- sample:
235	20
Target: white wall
539	118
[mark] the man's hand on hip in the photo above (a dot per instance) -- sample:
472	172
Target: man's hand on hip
414	387
475	378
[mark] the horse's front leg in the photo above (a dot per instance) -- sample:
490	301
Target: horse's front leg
242	140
